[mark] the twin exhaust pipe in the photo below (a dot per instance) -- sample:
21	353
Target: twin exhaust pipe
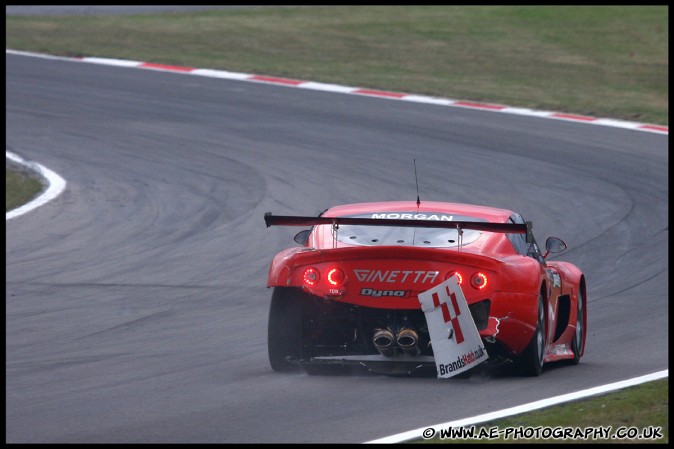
406	339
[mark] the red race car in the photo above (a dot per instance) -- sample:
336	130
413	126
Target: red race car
349	294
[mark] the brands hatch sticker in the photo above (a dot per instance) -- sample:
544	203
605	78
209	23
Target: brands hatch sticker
456	342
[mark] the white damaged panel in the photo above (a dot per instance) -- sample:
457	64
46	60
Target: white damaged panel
457	346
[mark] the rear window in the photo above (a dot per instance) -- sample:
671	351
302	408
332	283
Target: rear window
407	236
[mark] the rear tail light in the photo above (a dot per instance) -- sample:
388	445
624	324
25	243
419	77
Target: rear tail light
479	280
459	278
311	276
335	277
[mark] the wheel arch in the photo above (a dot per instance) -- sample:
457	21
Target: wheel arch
583	288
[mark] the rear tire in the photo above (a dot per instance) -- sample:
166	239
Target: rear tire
530	363
577	343
284	333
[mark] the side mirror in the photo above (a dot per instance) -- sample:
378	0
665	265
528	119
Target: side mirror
302	236
554	245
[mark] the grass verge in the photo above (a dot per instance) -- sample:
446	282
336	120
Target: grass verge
20	187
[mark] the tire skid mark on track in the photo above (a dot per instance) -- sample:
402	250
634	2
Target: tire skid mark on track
126	325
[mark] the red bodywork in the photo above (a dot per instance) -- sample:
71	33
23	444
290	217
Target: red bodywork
392	275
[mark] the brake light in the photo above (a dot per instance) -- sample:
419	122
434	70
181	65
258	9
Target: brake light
335	277
479	280
459	278
311	276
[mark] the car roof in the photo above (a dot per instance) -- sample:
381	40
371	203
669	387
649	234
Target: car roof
490	214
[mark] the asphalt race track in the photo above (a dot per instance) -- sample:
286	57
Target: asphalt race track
136	301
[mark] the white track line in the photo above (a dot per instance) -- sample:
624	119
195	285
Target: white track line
417	433
54	189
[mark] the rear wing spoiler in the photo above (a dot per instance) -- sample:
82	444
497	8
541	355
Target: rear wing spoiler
508	228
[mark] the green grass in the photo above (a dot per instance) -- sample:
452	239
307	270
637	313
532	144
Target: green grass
605	61
20	188
641	407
